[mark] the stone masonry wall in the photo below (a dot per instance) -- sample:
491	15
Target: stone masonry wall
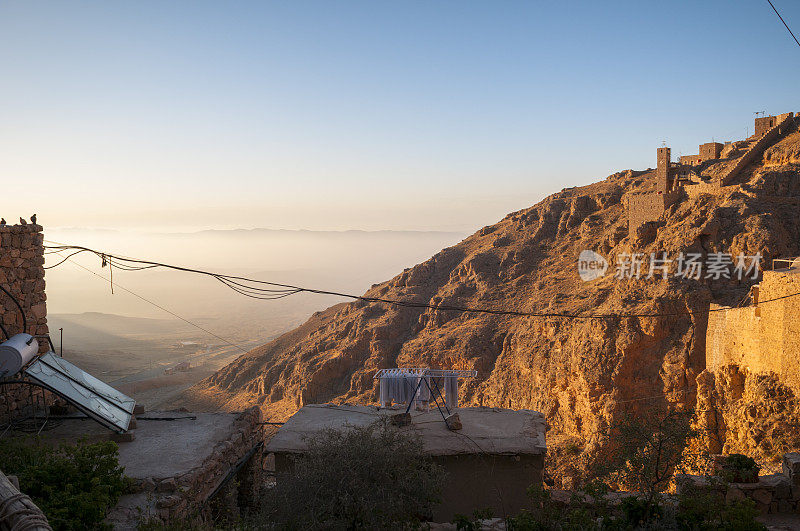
784	121
648	207
695	190
764	124
183	499
733	337
781	341
760	339
773	493
22	274
710	151
689	160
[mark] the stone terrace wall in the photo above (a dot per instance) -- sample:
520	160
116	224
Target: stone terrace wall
22	273
774	493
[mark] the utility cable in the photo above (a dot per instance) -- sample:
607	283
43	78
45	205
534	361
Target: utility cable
209	332
19	306
784	22
278	290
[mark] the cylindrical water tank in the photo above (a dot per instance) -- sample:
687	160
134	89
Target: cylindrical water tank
16	353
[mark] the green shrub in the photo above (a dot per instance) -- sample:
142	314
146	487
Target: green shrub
695	511
473	523
738	468
74	485
370	477
636	511
706	510
546	515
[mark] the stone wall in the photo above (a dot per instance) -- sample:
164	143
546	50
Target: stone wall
695	190
474	481
648	207
760	339
689	160
496	482
765	139
664	180
186	498
22	274
781	329
710	151
764	124
773	493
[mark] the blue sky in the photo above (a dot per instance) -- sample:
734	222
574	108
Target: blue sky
372	115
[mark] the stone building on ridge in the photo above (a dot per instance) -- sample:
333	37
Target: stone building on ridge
675	181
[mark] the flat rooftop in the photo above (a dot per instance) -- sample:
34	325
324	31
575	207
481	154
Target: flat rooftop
486	430
168	447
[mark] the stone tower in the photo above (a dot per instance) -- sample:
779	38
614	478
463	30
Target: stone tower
663	178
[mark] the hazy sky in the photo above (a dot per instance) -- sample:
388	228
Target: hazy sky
373	114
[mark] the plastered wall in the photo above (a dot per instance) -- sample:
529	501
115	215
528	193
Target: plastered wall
765	338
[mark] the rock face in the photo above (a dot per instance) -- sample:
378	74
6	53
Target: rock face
747	413
579	372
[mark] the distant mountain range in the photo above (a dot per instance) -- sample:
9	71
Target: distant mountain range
267	231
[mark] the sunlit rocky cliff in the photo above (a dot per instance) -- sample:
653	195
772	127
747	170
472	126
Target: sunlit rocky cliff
579	371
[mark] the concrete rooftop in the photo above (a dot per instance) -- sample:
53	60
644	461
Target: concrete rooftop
162	448
486	430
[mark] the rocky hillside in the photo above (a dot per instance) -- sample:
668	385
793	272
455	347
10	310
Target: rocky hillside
579	372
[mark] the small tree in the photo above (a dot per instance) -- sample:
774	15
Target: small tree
644	450
372	477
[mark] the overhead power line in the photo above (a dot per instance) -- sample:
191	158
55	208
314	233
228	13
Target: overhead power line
784	22
187	321
254	288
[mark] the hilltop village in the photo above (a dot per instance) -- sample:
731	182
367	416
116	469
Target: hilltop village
687	178
529	395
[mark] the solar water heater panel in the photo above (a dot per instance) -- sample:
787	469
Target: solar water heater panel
97	399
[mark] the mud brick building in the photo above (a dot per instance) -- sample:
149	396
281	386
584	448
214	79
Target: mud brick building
490	462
